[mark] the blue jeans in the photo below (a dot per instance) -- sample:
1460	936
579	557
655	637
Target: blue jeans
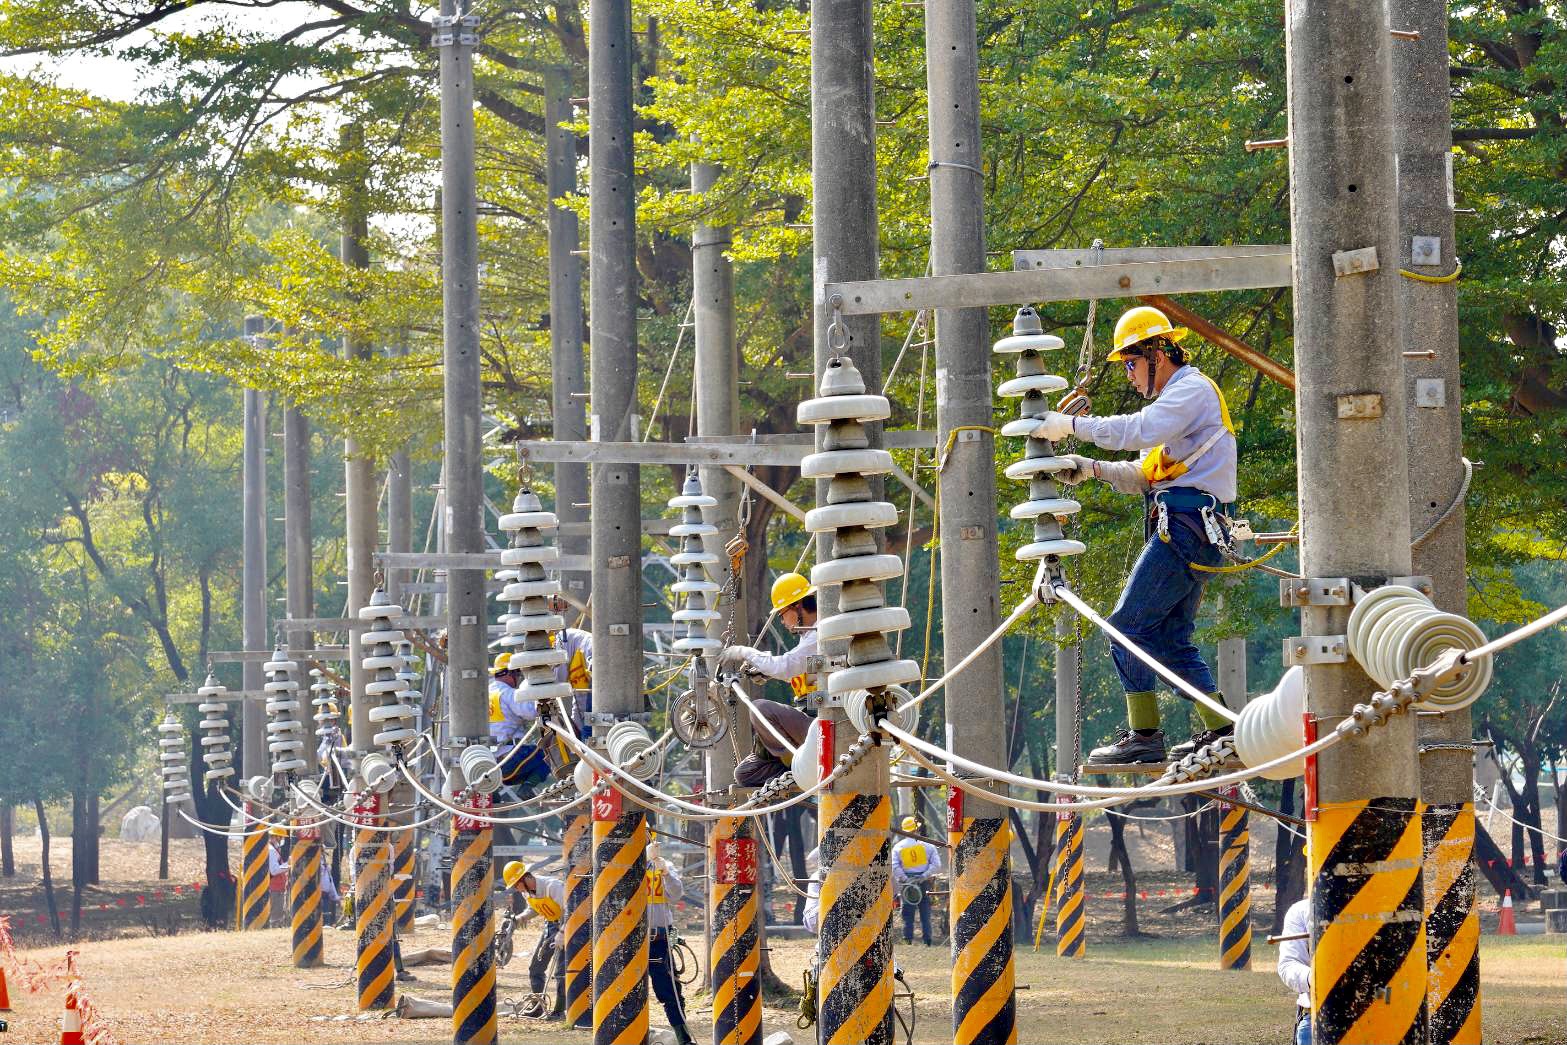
524	764
1158	608
1303	1029
909	910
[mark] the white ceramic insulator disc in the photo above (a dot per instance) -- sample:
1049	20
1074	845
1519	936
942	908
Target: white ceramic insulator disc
700	500
695	616
513	521
519	590
540	554
843	408
863	622
695	587
375	689
694	559
1018	387
538	658
856	568
1045	506
697	645
388	636
869	676
1028	342
870	514
279	665
524	623
544	690
829	463
1045	549
692	530
379	612
1029	467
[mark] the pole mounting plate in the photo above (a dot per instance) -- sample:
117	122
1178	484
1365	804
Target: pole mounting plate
1315	649
1295	592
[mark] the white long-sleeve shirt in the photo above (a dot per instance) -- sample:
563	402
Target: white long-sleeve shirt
664	888
902	871
1295	955
792	665
1186	414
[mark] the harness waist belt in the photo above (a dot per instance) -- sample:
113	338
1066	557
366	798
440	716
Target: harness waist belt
1189	499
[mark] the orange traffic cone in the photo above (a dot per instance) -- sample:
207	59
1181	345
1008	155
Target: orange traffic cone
71	1022
1507	925
5	996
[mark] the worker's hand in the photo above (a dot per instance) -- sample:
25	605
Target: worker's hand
733	658
1081	471
1054	426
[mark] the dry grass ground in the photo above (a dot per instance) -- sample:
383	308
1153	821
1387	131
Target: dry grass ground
228	987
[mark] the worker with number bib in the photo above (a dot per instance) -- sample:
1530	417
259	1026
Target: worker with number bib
1185	473
794	600
664	887
914	863
546	898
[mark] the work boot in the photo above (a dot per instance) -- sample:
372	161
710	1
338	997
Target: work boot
1130	747
1201	738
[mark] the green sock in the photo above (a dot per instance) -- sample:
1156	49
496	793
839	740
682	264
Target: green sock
1142	710
1211	719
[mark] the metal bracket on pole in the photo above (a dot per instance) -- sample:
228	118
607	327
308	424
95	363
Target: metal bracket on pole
448	30
1316	649
1295	592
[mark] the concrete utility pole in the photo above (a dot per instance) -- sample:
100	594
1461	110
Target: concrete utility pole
298	548
983	996
1354	506
473	874
620	833
1422	108
717	414
734	925
399	507
253	581
855	992
399	538
568	384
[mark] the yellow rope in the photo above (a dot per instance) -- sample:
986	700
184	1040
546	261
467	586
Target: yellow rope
1451	277
676	673
1240	566
952	439
1050	892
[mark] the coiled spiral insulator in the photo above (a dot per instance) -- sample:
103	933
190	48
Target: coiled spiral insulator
1044	506
388	714
285	732
174	754
325	703
1395	630
217	752
531	626
852	516
696	593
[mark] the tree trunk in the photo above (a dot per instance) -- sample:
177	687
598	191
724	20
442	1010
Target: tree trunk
1530	815
43	837
1289	863
210	808
1119	856
94	838
163	842
7	851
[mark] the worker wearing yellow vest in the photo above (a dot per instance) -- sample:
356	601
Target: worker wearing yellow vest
794	600
1185	471
664	888
914	863
546	898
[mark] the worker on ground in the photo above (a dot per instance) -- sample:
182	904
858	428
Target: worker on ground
794	600
812	915
664	888
1185	473
545	897
914	863
277	877
1295	964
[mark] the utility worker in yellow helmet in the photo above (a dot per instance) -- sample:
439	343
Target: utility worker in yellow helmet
545	897
1185	472
914	863
794	600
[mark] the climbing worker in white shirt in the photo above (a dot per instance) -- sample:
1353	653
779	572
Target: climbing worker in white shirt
1295	964
794	600
664	888
511	716
546	898
914	863
1186	475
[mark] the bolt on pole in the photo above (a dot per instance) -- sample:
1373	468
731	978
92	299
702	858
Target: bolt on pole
1422	106
1351	449
620	829
983	979
568	382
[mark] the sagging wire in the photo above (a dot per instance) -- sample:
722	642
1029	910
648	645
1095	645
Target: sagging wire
487	817
757	716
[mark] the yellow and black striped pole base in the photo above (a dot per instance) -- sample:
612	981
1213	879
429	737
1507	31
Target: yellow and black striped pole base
1452	926
577	929
1234	885
1368	964
1071	904
984	1009
304	898
372	909
620	952
403	879
855	942
473	933
255	899
736	958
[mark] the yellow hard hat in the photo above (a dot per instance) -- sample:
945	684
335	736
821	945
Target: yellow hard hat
1140	324
513	873
502	663
790	589
910	823
278	831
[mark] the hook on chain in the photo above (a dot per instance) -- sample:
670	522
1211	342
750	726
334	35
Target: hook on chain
837	333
